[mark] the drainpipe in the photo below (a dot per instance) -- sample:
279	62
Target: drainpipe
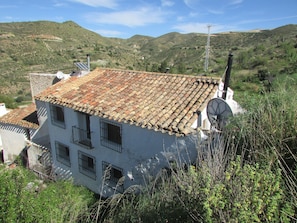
227	76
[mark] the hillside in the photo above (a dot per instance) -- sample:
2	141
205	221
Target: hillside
41	47
45	46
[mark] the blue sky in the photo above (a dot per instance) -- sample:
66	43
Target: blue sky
125	18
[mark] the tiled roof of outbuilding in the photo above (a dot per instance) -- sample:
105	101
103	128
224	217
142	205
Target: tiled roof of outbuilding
159	101
25	117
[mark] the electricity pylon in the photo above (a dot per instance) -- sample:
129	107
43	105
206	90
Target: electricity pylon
207	50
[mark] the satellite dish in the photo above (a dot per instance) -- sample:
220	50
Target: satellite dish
218	111
60	75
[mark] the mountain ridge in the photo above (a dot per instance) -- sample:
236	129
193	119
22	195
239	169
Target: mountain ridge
46	46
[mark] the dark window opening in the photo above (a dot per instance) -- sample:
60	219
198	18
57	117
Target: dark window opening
59	114
112	173
87	165
63	153
111	135
114	133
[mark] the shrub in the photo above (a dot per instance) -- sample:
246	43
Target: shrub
19	99
63	202
26	199
14	196
9	102
245	193
268	130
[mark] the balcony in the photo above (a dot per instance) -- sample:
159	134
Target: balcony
82	137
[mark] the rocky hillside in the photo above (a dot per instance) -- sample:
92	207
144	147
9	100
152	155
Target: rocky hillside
47	47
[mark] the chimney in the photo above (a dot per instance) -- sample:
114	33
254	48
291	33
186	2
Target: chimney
88	62
227	76
3	110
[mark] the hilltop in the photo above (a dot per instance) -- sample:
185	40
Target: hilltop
47	47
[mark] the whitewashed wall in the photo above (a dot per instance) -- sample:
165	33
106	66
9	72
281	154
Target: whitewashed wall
144	152
13	141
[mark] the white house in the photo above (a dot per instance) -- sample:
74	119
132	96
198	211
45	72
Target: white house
3	111
112	128
22	134
16	128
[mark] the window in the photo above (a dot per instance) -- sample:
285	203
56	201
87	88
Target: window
57	115
87	164
88	126
111	135
62	153
113	176
82	133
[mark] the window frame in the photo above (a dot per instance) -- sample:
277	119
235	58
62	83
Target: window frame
84	123
114	142
110	178
61	158
57	115
82	134
84	160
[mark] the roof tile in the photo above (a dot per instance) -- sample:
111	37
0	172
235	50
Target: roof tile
25	117
164	102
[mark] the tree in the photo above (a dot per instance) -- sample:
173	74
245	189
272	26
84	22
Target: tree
181	67
9	102
164	66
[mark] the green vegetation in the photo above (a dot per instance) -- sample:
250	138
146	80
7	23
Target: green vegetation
46	47
243	193
248	175
24	198
9	102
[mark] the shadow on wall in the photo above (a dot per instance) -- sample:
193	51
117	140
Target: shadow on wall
39	161
61	174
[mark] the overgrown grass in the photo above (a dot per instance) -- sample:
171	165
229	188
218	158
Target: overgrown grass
24	198
208	192
267	132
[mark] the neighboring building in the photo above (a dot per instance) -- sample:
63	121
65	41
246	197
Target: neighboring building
24	134
41	81
24	131
111	128
17	129
3	111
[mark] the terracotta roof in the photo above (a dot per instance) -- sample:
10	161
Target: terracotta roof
159	101
25	117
